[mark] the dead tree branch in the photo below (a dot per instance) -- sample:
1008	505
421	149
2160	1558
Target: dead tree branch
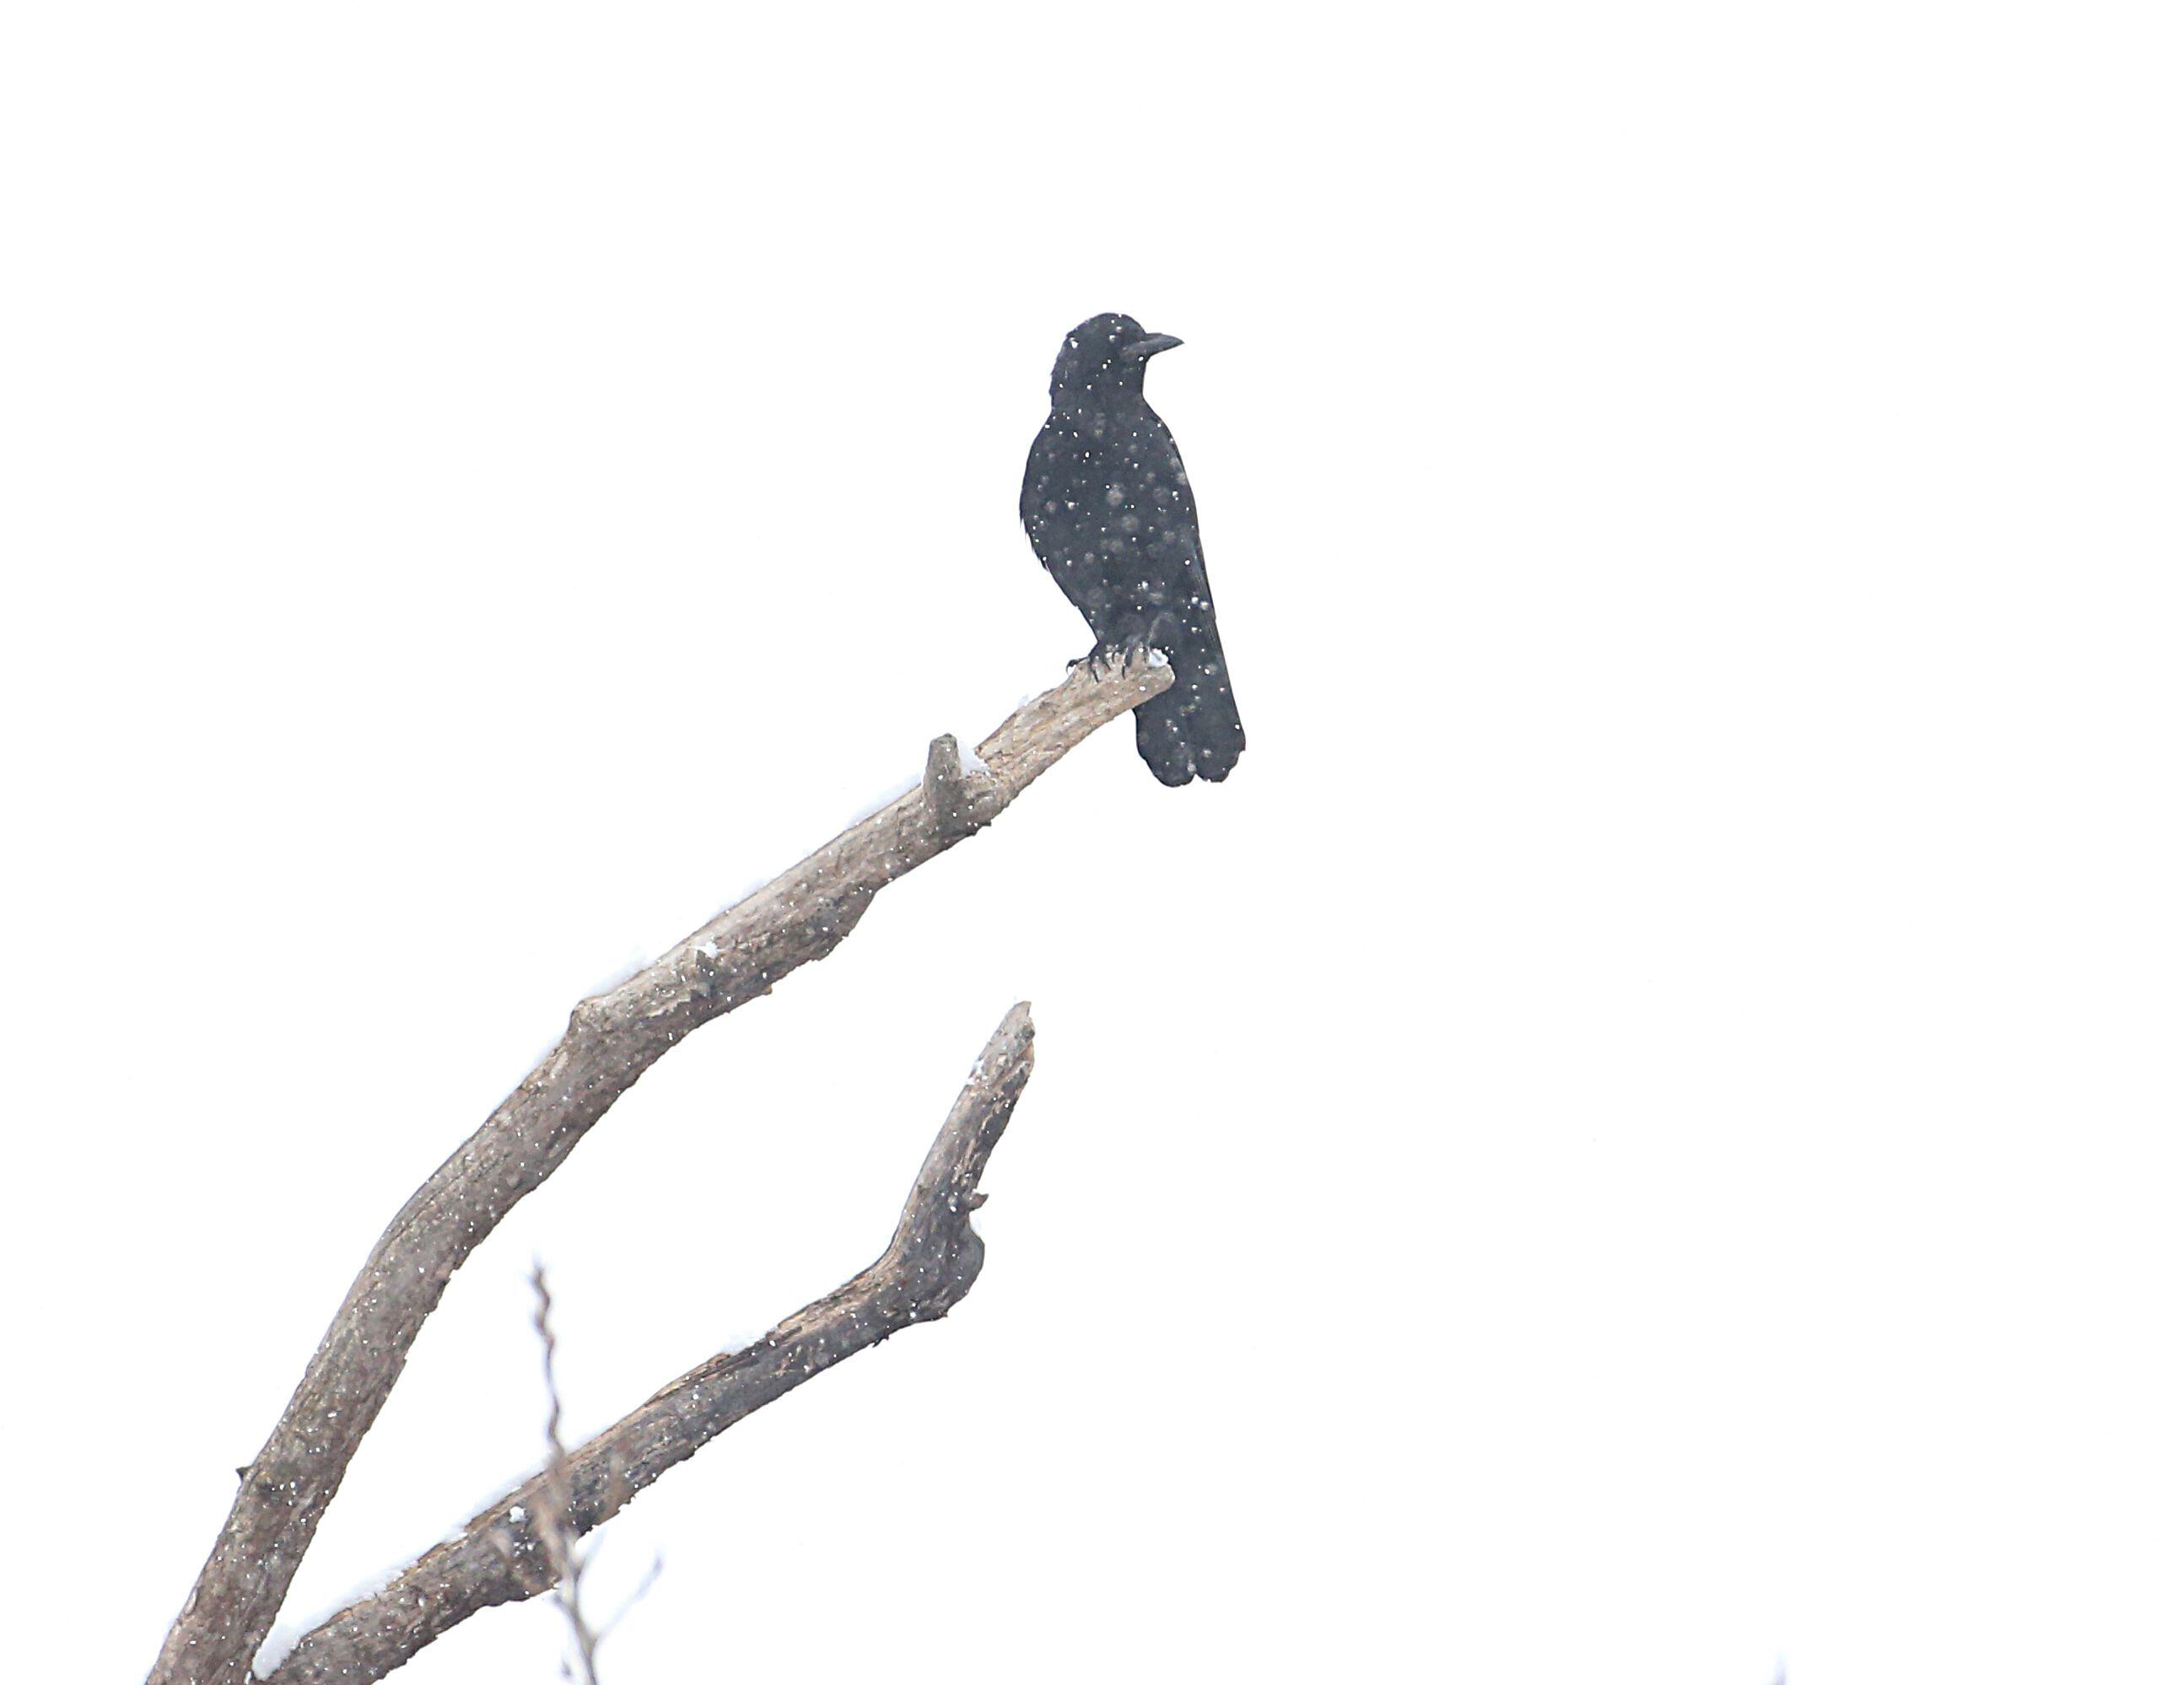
612	1039
507	1552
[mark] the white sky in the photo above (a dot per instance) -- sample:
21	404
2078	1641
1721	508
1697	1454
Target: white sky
1637	1137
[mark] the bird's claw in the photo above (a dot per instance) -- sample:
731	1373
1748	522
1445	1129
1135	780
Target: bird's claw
1112	657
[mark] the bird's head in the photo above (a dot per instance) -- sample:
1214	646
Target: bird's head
1104	356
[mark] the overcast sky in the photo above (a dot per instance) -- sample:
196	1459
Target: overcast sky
1635	1139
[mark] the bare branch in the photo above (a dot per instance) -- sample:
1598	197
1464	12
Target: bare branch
612	1039
502	1555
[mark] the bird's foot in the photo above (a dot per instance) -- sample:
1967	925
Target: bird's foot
1110	657
1132	640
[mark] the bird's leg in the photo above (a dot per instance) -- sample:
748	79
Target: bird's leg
1120	637
1124	639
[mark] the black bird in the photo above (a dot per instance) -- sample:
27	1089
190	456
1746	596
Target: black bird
1111	514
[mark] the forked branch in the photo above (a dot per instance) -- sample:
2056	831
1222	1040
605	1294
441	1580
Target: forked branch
517	1548
612	1039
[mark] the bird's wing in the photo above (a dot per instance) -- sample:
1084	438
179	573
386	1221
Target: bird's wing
1039	469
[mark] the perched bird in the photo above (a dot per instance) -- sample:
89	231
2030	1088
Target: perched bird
1111	515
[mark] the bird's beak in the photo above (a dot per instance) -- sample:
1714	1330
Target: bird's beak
1148	345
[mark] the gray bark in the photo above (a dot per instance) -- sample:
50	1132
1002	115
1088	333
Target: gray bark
612	1039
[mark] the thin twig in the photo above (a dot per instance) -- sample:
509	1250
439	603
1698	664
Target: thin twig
565	1560
611	1040
652	1578
502	1556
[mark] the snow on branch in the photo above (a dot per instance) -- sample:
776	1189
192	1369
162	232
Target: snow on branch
518	1547
612	1039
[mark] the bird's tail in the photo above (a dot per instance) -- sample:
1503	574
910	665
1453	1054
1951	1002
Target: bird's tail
1191	730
